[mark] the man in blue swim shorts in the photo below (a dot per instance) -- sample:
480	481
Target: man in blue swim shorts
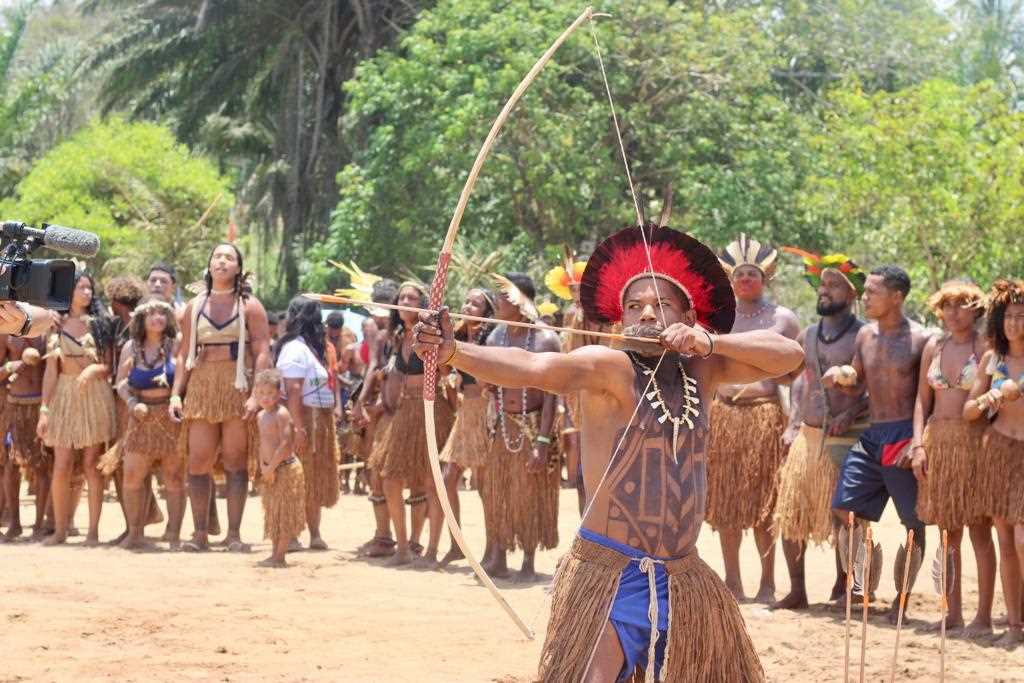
886	361
632	598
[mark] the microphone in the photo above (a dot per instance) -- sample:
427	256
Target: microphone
67	240
71	241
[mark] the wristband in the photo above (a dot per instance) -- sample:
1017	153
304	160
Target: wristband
175	401
711	345
9	368
44	410
455	350
546	440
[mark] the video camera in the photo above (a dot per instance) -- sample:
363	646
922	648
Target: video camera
48	283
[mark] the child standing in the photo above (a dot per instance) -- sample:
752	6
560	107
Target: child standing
284	487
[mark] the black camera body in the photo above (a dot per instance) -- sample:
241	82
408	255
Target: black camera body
48	283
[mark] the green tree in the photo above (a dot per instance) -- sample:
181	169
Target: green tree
273	67
928	178
135	186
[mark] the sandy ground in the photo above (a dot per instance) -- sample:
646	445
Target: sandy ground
76	614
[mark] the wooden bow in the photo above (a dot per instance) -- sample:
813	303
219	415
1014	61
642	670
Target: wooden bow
437	298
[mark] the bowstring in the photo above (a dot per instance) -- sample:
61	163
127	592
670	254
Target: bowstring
661	309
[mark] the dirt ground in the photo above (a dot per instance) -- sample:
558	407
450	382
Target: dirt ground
76	614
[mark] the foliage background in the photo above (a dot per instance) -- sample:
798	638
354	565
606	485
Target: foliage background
344	129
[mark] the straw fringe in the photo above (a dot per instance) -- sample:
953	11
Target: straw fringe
284	503
468	443
80	419
522	507
154	437
212	396
587	582
948	495
806	480
744	455
707	637
320	457
23	418
400	447
999	480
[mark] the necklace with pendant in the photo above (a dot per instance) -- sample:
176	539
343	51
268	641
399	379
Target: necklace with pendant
689	410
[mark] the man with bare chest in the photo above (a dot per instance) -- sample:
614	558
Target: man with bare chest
886	360
828	422
23	371
747	424
632	593
520	491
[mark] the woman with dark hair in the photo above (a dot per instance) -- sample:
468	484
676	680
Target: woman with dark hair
224	338
468	444
144	380
77	411
311	397
946	447
400	450
999	480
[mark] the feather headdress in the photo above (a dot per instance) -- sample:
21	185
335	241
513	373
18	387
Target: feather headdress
748	252
622	259
815	265
360	282
562	277
516	297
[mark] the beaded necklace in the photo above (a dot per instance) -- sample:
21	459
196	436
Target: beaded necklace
501	397
690	408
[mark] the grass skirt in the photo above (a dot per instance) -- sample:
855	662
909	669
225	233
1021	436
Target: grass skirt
211	395
80	419
744	455
320	457
807	478
155	438
284	503
707	637
521	507
469	442
999	480
948	495
400	446
28	450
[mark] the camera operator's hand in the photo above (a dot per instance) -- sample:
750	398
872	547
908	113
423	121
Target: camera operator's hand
13	315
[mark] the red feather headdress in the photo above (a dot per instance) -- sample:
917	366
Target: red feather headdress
621	260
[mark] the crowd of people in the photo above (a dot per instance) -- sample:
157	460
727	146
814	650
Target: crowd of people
722	409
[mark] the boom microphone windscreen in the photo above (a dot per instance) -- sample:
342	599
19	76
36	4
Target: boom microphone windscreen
71	241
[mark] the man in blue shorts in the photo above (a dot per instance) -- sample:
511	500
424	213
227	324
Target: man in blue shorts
886	360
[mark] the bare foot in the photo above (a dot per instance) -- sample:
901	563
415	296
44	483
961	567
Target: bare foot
39	533
795	600
11	534
766	595
317	544
838	589
977	630
55	539
236	546
272	563
295	546
1011	638
174	544
400	558
197	544
453	555
737	592
73	531
131	542
526	576
381	547
937	626
427	561
120	539
166	538
894	611
91	541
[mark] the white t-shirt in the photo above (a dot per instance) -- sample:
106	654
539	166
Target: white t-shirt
298	362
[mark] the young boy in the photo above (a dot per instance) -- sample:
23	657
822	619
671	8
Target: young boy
284	487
